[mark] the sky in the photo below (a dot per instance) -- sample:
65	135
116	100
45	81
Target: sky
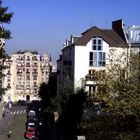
44	25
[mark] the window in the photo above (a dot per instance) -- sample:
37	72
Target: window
35	83
19	64
19	71
19	78
28	65
101	61
91	89
94	59
27	86
27	71
28	77
8	78
28	58
35	70
91	59
97	59
8	85
35	64
34	77
34	58
97	44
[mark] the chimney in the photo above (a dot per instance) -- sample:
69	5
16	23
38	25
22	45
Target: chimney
117	26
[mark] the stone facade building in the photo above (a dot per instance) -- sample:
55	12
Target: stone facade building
24	73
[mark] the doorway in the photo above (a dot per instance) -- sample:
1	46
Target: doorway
28	98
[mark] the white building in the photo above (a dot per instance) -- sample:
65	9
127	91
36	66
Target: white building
85	56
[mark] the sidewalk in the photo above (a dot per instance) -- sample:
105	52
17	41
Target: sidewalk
17	125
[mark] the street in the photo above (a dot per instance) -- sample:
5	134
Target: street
15	120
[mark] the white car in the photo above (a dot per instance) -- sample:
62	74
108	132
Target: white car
31	113
31	124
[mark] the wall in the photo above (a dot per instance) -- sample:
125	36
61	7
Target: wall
82	61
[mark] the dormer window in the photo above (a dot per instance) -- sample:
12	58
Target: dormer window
28	58
97	44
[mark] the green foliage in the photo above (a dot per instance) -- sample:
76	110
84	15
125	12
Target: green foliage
71	114
5	18
118	97
111	128
44	95
120	94
47	96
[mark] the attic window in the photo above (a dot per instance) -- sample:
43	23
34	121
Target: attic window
97	44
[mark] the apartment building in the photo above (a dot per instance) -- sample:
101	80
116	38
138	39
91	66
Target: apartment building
86	56
24	73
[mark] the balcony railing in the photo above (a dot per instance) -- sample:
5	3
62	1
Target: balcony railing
19	72
90	77
35	72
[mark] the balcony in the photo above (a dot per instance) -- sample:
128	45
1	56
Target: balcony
28	87
19	72
91	77
35	72
34	66
27	65
97	77
28	59
34	59
35	86
19	87
28	72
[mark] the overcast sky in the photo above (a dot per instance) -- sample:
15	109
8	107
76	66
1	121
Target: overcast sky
43	25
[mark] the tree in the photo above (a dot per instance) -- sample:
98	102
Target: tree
47	94
120	94
72	106
118	97
44	95
5	18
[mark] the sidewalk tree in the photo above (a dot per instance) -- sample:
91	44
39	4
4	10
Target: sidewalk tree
5	18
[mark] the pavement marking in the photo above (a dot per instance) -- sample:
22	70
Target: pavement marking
18	112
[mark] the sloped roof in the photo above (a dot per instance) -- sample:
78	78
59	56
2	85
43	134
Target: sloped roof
134	34
109	35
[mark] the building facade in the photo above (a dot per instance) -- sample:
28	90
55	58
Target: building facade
85	57
24	73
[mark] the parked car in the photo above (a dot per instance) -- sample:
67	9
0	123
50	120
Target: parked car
30	125
31	113
30	133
